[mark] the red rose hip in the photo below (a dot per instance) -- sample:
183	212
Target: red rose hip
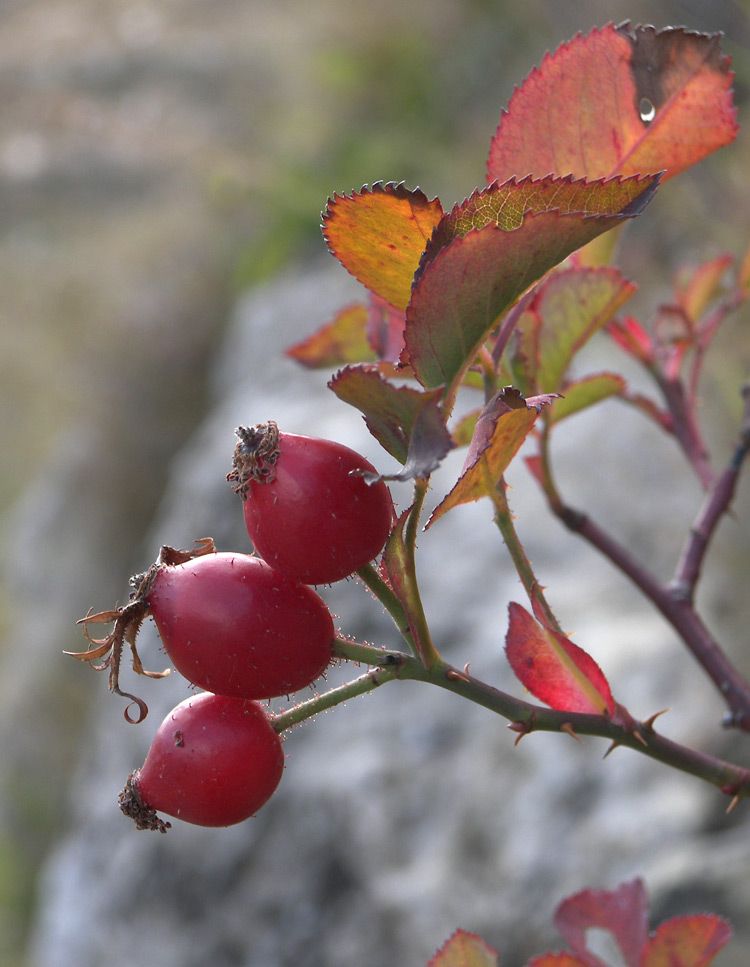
214	761
308	510
234	626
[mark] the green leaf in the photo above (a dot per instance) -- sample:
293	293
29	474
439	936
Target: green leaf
464	949
407	422
460	291
585	392
379	234
572	305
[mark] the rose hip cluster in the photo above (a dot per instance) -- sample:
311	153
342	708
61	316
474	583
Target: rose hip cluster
245	628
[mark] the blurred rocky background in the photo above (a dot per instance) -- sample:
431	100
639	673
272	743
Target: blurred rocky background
162	170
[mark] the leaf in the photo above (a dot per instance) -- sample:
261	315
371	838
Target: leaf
687	942
697	286
571	305
343	340
464	949
498	434
585	392
623	912
620	100
379	234
408	423
385	330
553	669
458	296
558	959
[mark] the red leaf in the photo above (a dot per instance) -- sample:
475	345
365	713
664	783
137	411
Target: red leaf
462	288
379	235
621	100
343	340
385	330
553	669
464	949
623	912
687	942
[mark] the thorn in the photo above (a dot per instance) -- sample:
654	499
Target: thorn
612	748
455	676
467	666
568	727
637	735
523	728
732	804
648	725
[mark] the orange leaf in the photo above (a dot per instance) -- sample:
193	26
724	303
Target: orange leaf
558	959
500	430
687	942
464	949
379	235
621	100
343	340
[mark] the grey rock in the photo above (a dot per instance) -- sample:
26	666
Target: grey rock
406	813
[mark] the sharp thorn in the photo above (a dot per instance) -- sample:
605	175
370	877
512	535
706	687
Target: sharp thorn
568	727
732	804
612	748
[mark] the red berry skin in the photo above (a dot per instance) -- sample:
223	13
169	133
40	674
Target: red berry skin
314	520
234	626
214	761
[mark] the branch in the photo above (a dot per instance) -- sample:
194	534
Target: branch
714	507
524	717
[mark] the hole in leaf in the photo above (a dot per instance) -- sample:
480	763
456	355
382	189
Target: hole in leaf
602	944
646	110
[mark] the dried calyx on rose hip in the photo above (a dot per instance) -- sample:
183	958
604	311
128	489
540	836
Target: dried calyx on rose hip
309	508
214	761
228	622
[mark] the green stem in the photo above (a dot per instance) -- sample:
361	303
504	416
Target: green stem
417	618
387	597
524	717
504	521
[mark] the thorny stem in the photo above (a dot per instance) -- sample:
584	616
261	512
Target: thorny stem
524	717
671	599
387	597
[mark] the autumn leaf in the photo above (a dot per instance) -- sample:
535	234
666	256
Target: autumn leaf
687	942
464	949
567	309
620	100
623	912
407	422
498	434
585	392
342	340
379	234
464	285
553	669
